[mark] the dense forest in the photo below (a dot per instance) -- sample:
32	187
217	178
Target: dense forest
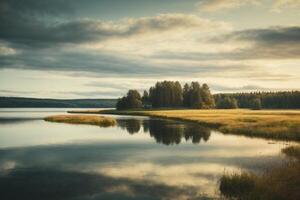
170	94
20	102
258	100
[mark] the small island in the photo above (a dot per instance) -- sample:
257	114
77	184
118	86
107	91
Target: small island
83	119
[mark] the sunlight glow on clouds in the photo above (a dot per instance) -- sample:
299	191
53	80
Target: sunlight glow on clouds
6	51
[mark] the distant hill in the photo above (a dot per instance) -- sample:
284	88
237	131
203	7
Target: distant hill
20	102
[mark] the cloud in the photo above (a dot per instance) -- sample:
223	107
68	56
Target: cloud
281	4
80	61
90	94
220	5
36	7
217	5
28	27
246	88
80	93
103	64
6	51
273	35
15	93
53	36
269	43
32	31
278	43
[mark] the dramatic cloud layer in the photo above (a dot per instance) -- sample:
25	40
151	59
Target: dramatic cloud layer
268	43
38	33
276	43
269	36
91	46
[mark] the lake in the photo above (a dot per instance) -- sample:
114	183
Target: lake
140	158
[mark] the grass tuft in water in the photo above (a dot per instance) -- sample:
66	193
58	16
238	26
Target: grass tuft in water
277	183
83	119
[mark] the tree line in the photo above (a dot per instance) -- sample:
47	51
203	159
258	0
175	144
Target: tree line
170	94
259	100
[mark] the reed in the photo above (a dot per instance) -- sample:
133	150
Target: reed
279	182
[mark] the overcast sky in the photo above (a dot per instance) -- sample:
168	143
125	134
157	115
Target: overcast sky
102	48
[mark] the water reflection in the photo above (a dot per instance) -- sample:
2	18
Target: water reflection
119	171
11	121
49	184
132	126
40	160
167	132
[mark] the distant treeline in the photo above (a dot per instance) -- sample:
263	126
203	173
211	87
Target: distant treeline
258	100
170	94
20	102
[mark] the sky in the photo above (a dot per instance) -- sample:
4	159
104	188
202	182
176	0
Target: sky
100	49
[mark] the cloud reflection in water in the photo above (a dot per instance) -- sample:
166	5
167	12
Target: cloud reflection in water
184	163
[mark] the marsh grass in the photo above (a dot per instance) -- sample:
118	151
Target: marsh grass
277	183
292	152
272	124
237	185
83	119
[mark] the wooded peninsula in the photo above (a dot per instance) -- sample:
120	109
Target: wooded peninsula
170	94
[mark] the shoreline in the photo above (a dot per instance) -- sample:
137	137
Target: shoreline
269	124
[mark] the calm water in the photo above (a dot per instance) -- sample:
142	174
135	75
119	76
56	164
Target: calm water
141	158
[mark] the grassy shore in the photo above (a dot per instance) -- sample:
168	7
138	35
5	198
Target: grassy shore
272	124
279	182
83	119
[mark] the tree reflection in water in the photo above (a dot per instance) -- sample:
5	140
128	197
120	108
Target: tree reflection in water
167	132
132	126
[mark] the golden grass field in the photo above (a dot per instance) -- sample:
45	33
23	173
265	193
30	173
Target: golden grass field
281	124
83	119
273	124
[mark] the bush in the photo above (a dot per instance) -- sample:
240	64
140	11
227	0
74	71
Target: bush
132	100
